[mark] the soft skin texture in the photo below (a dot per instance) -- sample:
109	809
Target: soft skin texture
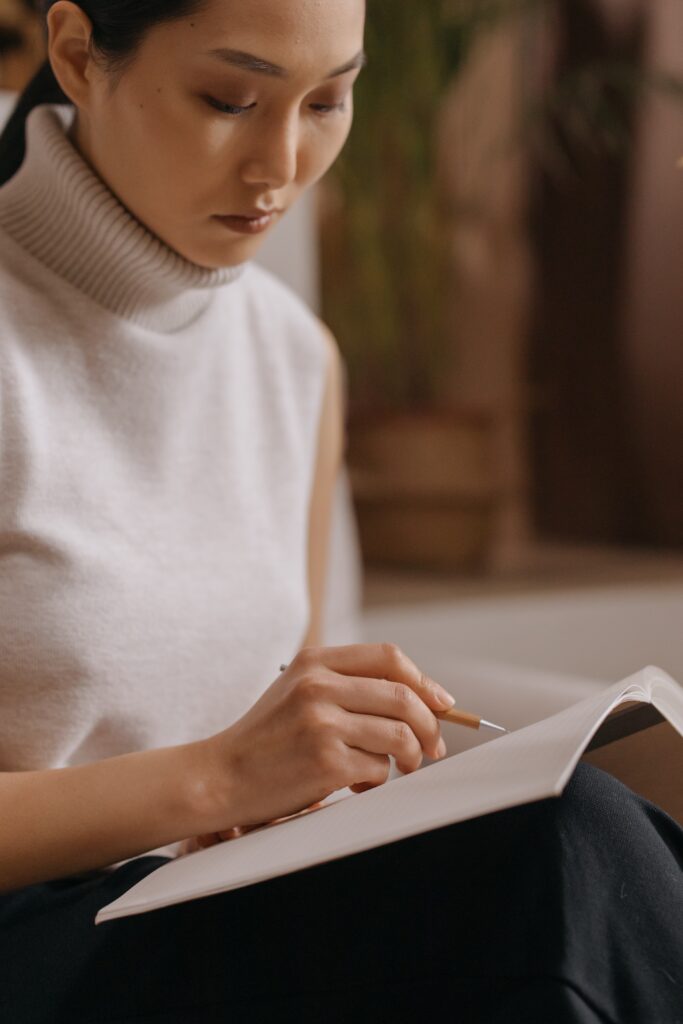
152	133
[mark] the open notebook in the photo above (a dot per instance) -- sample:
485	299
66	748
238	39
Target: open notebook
632	729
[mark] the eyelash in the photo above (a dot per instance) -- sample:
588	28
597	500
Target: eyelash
227	108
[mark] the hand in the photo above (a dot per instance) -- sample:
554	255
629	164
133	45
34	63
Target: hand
329	721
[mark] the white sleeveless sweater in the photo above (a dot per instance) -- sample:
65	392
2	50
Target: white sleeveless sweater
158	433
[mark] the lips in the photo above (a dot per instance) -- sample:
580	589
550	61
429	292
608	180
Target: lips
254	214
247	225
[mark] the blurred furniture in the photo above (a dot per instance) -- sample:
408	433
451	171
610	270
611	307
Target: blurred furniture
573	618
563	643
595	633
550	568
425	489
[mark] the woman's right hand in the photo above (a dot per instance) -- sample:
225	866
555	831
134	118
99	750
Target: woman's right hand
329	721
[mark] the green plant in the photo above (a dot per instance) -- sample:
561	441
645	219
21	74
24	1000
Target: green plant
384	248
383	261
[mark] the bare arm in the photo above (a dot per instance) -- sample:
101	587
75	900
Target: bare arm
329	459
61	821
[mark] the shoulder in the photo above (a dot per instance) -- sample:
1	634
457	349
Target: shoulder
275	306
262	284
293	335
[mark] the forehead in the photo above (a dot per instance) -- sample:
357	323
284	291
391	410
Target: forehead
297	34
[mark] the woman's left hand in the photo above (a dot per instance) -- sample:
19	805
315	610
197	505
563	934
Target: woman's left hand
213	838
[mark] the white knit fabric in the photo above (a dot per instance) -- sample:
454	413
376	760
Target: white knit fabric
158	431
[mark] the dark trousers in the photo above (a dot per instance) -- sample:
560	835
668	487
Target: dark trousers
564	910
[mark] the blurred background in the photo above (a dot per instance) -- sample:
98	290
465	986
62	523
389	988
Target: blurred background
498	252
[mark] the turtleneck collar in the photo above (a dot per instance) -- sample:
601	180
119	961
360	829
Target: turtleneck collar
57	208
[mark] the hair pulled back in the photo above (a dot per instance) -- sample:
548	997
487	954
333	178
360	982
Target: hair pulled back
118	29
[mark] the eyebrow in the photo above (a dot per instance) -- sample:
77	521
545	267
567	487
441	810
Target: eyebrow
247	61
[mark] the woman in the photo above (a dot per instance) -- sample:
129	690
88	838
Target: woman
171	426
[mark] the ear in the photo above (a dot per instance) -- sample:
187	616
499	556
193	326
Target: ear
69	35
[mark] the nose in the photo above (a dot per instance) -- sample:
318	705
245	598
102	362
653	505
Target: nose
273	156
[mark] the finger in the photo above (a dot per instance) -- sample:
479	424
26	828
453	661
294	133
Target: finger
225	835
237	830
295	814
370	770
374	735
188	846
386	700
381	661
210	839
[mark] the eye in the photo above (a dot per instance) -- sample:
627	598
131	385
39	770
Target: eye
228	108
237	111
323	108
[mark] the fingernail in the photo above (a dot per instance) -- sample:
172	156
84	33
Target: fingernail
444	698
442	748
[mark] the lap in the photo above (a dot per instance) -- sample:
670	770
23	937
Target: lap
574	901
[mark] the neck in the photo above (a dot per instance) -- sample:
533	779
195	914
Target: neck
59	209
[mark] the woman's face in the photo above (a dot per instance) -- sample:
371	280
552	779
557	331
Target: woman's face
168	140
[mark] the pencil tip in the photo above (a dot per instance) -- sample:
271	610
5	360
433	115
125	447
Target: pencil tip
492	725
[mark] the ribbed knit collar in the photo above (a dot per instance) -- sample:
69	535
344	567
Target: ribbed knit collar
61	211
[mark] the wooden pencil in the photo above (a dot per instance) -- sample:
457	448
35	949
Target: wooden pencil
467	719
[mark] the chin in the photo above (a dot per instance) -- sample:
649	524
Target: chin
216	257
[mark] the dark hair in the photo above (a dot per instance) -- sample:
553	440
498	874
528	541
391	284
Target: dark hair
118	29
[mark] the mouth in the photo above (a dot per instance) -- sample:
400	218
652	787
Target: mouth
256	212
249	223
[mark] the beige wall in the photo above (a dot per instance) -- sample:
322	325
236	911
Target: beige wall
296	233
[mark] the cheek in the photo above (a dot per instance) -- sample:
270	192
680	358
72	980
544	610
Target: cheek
181	160
319	153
